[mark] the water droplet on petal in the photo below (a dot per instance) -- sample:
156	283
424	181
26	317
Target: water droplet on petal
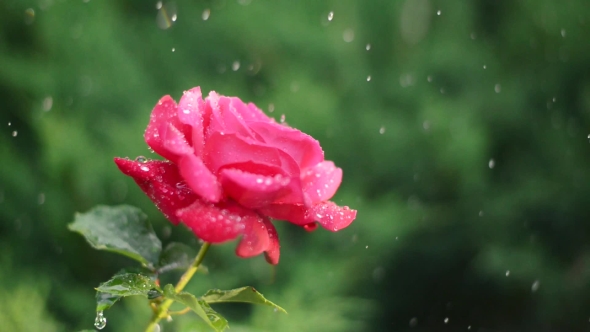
100	321
141	159
282	118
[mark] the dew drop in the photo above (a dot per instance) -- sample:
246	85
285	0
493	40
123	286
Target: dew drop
141	159
282	118
145	168
100	321
271	108
330	16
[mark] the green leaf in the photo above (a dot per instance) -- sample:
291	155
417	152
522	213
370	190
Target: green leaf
125	284
121	229
200	307
178	256
244	294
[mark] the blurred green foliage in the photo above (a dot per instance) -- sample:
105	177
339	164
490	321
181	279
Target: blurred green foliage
465	152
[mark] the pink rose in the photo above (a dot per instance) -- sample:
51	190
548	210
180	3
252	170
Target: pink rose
230	168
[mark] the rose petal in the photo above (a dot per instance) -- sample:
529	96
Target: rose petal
304	149
175	142
272	253
331	216
163	114
253	190
294	213
199	178
215	223
161	182
321	181
256	237
222	150
251	113
191	111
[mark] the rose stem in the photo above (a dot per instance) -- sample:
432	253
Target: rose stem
162	311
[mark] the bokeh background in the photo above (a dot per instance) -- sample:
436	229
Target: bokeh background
462	128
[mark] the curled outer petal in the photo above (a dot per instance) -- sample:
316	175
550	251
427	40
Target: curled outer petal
329	215
161	182
217	223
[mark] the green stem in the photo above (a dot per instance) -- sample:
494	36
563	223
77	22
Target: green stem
162	310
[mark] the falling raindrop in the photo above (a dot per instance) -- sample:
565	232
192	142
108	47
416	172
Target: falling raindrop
366	247
588	135
446	320
507	273
235	66
41	198
535	286
497	88
166	15
368	47
438	12
413	322
484	66
330	16
480	213
206	14
100	321
563	33
429	78
369	78
14	133
47	103
29	16
271	108
10	124
491	163
382	130
348	35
